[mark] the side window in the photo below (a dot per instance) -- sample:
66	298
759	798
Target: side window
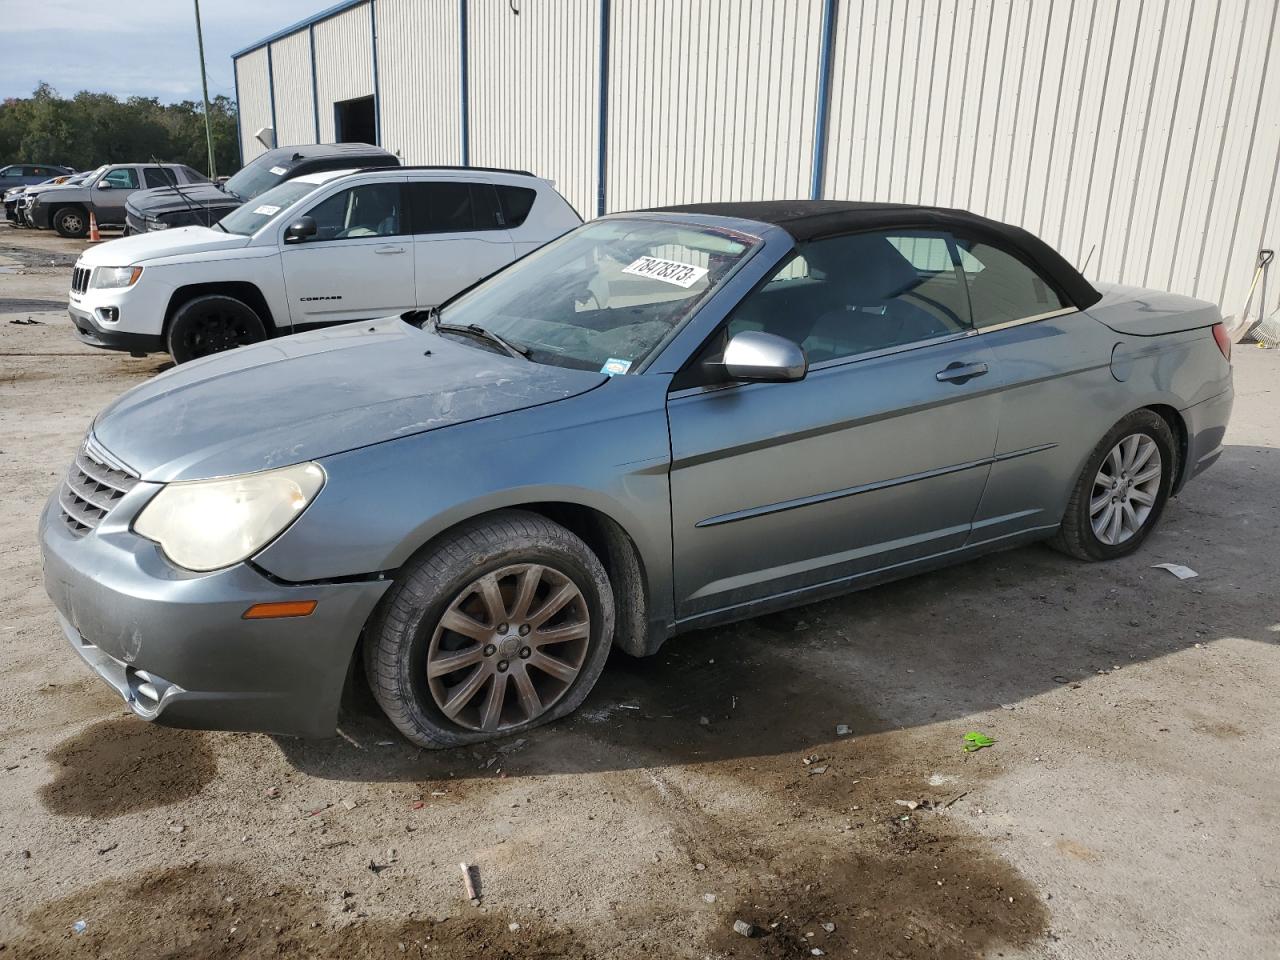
372	210
451	206
1001	287
850	295
516	203
122	178
158	177
194	176
13	172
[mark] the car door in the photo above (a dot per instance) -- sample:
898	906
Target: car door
360	262
876	459
458	236
111	191
1051	366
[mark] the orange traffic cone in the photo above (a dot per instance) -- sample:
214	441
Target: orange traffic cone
94	235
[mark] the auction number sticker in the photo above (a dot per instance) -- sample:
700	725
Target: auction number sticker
615	367
266	210
279	170
668	271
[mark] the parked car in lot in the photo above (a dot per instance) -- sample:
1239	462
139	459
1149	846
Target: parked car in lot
66	208
659	422
206	203
319	249
26	174
14	196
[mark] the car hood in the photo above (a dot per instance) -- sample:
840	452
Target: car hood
315	394
166	199
177	241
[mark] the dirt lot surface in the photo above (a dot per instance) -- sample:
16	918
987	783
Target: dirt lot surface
1129	807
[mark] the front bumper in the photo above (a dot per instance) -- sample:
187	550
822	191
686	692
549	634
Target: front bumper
173	644
97	334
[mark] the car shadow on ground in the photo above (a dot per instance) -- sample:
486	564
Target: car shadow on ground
925	650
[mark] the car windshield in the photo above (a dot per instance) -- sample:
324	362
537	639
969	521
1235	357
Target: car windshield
256	178
604	296
257	213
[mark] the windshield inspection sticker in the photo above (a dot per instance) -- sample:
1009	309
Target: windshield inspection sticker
267	210
668	271
615	367
278	170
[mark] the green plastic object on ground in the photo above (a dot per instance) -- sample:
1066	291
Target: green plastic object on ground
973	740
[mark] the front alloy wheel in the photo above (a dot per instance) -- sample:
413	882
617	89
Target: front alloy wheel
508	647
499	625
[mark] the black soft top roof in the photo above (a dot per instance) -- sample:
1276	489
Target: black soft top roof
815	219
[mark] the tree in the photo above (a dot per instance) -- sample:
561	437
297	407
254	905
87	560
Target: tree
95	128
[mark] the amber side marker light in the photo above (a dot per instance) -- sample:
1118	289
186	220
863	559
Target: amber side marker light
284	608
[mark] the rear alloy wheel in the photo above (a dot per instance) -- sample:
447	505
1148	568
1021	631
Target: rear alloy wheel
70	222
1122	490
1125	489
211	324
501	625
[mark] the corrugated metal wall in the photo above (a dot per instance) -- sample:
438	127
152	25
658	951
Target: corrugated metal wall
1141	136
534	82
255	100
711	100
344	63
419	65
295	108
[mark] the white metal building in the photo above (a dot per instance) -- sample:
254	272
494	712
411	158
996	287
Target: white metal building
1141	138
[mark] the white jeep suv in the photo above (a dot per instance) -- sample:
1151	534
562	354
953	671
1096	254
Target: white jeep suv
322	249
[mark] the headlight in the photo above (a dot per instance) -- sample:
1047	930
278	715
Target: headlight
111	278
208	524
154	224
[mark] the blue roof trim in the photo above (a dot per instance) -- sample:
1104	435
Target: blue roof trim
315	18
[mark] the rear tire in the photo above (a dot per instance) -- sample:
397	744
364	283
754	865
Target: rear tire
1115	505
211	324
71	222
498	682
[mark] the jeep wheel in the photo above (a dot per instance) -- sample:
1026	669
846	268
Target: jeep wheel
503	625
70	222
211	324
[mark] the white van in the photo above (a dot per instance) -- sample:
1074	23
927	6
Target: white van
324	248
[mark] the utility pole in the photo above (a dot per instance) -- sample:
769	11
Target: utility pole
204	82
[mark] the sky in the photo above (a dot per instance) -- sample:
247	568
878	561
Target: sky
133	47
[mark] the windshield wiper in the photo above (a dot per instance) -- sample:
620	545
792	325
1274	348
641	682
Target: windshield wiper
475	330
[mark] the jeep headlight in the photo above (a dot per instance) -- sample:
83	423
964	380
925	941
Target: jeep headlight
112	278
209	524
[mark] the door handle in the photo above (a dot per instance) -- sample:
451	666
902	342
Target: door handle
958	372
388	249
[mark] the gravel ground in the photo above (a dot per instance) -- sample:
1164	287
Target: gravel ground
1127	809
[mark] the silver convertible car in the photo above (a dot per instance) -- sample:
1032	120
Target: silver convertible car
661	421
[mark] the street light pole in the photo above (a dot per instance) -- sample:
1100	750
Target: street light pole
204	82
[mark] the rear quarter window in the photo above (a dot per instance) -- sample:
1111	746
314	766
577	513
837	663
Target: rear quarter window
515	202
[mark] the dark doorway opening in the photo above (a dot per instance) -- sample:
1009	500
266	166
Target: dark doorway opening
353	121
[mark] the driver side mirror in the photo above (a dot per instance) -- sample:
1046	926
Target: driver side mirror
759	357
104	185
301	229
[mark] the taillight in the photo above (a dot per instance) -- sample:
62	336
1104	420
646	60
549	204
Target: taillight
1224	340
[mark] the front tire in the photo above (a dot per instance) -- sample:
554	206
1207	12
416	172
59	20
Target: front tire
71	222
211	324
502	625
1122	490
